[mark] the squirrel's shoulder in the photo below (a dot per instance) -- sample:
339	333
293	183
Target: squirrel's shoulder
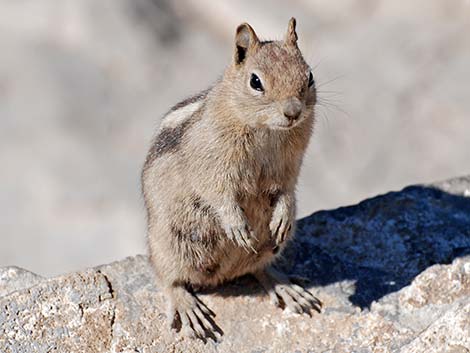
174	125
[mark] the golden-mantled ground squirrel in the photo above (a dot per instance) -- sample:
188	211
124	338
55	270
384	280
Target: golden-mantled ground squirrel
219	180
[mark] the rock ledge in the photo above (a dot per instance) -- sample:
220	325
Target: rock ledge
393	273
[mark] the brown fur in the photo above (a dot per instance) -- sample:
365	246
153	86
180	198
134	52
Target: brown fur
217	186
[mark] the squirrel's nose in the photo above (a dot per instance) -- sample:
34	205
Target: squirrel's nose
292	108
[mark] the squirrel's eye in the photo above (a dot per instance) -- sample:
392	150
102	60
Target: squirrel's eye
311	81
255	83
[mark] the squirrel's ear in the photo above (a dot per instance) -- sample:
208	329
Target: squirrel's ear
291	36
245	40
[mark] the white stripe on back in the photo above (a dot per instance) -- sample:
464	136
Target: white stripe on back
178	116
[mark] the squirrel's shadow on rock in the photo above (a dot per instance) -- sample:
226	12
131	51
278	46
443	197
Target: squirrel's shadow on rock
381	244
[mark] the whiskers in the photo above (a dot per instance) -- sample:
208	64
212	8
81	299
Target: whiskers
330	101
334	79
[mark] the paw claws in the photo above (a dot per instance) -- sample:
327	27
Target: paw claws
296	299
243	237
197	322
280	229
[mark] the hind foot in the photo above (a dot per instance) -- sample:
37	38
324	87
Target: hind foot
190	316
284	293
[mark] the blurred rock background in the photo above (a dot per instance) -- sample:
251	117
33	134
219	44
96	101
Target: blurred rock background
83	84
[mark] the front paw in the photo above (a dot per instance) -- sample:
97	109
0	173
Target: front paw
281	224
242	235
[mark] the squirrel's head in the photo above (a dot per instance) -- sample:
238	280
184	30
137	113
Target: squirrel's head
273	85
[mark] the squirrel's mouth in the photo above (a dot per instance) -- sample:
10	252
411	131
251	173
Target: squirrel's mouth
282	127
286	125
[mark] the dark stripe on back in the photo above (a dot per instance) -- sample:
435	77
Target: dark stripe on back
169	139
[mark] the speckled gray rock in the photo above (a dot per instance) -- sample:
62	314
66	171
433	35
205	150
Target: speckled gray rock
13	278
393	273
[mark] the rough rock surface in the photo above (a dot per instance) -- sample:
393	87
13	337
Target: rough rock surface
13	278
393	273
